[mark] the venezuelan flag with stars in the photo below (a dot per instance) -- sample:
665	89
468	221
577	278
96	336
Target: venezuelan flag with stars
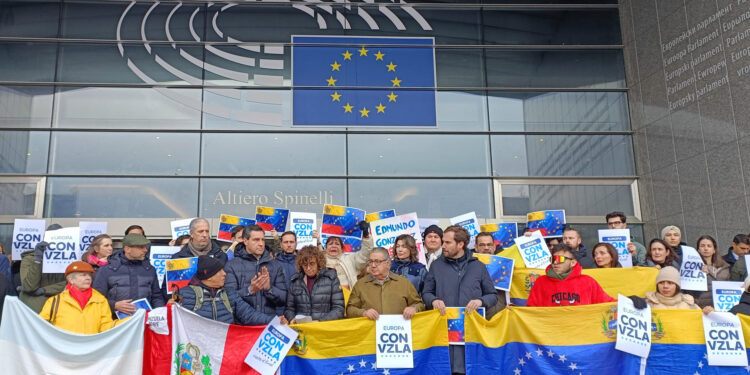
551	222
363	81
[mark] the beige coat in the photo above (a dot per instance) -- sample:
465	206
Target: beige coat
396	294
678	301
348	265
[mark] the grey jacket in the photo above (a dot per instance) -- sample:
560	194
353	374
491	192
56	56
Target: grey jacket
325	302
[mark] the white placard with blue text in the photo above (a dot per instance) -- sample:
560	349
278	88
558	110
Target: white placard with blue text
89	230
27	233
725	343
692	276
385	231
534	250
271	347
619	238
726	294
62	249
469	222
159	257
633	328
303	224
393	342
180	227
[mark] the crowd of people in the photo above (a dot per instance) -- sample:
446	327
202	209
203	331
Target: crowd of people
257	278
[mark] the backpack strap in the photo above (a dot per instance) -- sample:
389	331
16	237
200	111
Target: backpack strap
199	300
53	309
225	299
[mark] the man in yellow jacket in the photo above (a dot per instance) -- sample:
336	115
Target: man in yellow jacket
79	308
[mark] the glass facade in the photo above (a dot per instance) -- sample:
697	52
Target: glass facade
164	110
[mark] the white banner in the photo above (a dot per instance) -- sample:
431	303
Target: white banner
89	230
26	235
725	343
633	328
303	224
393	342
424	223
180	227
726	294
619	238
692	276
271	347
469	222
159	257
385	231
534	250
62	249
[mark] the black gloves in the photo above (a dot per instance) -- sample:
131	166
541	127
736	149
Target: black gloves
39	251
638	302
365	227
38	292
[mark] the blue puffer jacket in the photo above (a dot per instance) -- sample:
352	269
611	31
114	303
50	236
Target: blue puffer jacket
287	262
216	253
242	312
123	279
242	269
415	272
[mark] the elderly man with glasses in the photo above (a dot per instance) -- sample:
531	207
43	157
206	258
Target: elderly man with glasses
382	291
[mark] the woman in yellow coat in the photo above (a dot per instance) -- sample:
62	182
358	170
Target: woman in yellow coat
79	308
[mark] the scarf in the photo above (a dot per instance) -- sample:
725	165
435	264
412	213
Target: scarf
96	261
551	273
81	296
199	251
668	301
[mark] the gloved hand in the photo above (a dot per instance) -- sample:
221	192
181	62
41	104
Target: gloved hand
638	302
365	227
39	251
38	292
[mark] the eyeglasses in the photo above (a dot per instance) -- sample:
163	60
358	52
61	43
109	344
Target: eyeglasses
310	265
559	259
613	223
376	262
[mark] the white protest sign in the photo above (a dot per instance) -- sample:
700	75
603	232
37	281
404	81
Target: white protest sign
62	249
724	341
27	233
157	320
633	328
692	276
424	223
393	342
534	250
619	238
469	222
180	227
747	265
88	230
159	257
385	231
726	294
303	224
271	347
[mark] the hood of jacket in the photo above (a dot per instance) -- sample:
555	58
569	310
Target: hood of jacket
575	272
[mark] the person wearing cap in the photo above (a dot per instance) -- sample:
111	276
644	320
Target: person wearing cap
673	237
79	308
668	295
743	307
433	242
36	286
129	276
206	296
200	243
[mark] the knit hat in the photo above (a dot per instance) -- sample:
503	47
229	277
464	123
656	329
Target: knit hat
79	266
746	284
433	229
668	273
668	229
207	267
135	239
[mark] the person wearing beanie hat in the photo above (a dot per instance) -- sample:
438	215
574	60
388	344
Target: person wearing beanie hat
673	237
206	296
79	308
743	307
37	287
667	294
433	242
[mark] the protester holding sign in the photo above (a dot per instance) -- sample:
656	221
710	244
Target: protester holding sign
129	276
406	262
672	236
200	242
744	306
618	220
36	286
99	251
668	294
605	256
314	291
572	238
660	255
347	265
714	267
79	308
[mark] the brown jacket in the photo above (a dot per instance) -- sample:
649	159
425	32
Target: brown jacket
396	294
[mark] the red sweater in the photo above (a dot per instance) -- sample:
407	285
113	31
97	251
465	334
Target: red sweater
576	289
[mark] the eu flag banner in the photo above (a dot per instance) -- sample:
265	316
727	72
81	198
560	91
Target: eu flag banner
363	81
550	222
380	215
342	221
502	233
270	218
227	223
499	268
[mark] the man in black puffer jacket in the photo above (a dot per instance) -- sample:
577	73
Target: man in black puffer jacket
254	276
207	297
315	291
128	277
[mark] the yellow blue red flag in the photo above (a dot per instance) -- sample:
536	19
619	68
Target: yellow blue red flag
550	222
270	218
502	233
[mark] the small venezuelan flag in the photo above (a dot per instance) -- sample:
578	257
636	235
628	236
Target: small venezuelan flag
227	223
342	221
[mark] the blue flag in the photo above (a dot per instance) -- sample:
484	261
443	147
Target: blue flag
363	81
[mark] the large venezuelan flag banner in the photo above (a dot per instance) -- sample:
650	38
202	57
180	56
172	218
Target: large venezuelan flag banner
581	340
348	347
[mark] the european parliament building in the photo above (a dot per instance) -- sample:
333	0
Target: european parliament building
145	112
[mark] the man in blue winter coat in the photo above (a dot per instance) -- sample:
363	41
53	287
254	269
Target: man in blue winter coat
254	276
458	279
286	253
